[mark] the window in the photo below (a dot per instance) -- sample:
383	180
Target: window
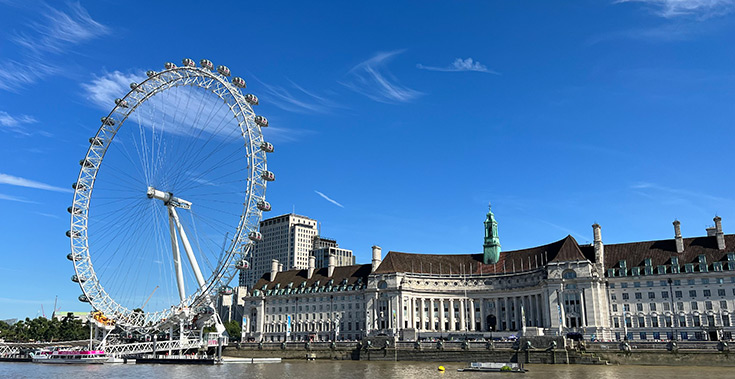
682	321
665	294
656	335
663	283
654	323
612	285
652	307
639	307
643	335
706	293
641	322
616	322
690	282
649	283
626	296
626	307
721	292
569	274
708	305
694	306
638	295
692	293
637	284
677	282
723	304
651	295
666	307
679	295
720	280
615	307
725	320
613	297
680	305
705	281
696	321
623	285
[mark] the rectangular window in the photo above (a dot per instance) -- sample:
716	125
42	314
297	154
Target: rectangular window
636	271
641	322
692	293
626	296
661	269
725	320
654	323
656	335
628	322
613	297
678	294
682	321
649	283
684	335
689	268
616	322
680	305
623	285
651	295
708	305
615	307
665	294
721	292
677	282
626	307
652	307
663	283
706	293
643	335
720	280
690	282
638	295
612	285
666	307
696	321
639	307
723	304
705	280
694	305
637	284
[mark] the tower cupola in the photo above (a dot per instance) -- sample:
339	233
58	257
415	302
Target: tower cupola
491	247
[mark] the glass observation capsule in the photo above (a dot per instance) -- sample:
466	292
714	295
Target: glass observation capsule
96	141
121	103
150	73
251	99
261	121
107	121
223	70
242	265
264	205
206	63
269	176
169	65
238	82
188	62
255	236
266	146
83	298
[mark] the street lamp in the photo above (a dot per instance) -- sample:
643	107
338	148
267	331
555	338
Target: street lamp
673	311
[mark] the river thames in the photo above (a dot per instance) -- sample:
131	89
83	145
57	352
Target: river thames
348	369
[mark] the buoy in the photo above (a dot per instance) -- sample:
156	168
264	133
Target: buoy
441	368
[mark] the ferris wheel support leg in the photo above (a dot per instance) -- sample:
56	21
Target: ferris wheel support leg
187	247
177	254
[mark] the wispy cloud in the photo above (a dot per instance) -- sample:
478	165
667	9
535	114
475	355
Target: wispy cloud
49	215
297	99
54	33
16	199
15	124
667	195
699	9
59	29
327	198
372	79
23	182
459	65
103	90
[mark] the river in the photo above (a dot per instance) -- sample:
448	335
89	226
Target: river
349	370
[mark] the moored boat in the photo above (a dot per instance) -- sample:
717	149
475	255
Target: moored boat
494	367
70	356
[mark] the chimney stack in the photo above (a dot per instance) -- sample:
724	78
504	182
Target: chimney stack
280	267
310	270
274	269
718	233
599	247
677	237
330	266
377	257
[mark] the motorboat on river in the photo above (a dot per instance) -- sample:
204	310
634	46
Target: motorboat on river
70	356
494	367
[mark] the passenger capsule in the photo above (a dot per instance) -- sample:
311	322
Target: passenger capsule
206	63
136	87
74	210
267	175
188	62
83	298
86	163
242	265
74	233
255	236
77	279
108	121
150	73
266	146
96	141
225	290
223	70
72	257
121	103
78	186
264	206
169	65
251	99
239	82
261	121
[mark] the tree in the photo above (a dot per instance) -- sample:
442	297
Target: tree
233	329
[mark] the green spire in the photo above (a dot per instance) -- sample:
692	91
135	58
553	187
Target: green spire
491	247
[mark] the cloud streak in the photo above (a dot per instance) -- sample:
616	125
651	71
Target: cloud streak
23	182
16	199
15	124
327	198
700	9
460	65
297	99
371	78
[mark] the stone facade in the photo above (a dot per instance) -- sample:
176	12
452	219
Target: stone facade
682	287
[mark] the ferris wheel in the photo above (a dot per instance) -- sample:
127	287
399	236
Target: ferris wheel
169	197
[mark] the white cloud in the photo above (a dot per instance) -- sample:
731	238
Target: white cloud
103	91
297	99
59	29
23	182
460	64
373	80
15	124
701	9
16	199
15	75
327	198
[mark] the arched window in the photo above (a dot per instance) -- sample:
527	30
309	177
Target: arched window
569	274
382	285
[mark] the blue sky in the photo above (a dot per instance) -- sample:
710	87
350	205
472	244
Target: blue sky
395	123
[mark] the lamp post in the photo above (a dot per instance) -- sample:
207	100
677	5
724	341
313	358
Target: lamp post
673	310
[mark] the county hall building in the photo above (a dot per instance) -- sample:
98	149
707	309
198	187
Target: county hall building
681	288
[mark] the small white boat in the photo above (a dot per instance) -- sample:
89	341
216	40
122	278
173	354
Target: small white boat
70	356
494	367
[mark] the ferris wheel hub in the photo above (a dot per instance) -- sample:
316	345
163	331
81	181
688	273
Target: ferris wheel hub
168	198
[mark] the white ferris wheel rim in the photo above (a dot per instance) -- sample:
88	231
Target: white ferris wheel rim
240	246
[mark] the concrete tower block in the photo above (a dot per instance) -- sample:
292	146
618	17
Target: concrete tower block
599	247
274	269
330	266
310	269
718	233
377	257
677	237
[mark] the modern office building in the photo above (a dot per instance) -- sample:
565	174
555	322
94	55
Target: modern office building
324	247
681	288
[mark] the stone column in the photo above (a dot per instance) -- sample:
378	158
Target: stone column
442	318
472	314
452	321
422	316
498	316
483	314
462	324
581	307
431	314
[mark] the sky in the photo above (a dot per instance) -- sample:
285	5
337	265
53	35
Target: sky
395	122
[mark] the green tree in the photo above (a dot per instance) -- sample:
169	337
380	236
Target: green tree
233	329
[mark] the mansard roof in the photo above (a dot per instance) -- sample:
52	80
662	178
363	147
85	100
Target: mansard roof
661	251
353	274
566	249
